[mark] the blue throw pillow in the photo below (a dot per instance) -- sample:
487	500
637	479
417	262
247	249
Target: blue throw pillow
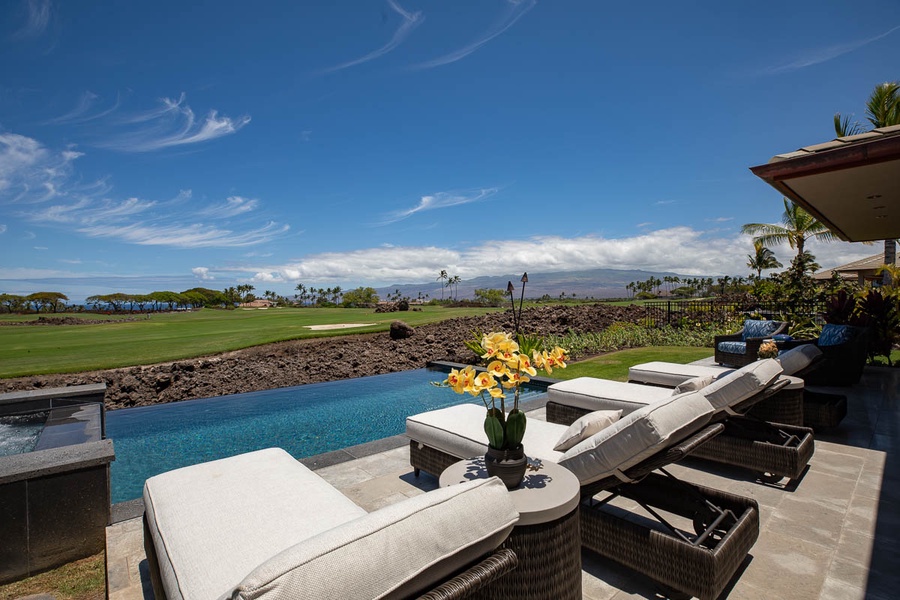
835	335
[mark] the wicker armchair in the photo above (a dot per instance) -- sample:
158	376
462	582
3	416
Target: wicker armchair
741	348
843	355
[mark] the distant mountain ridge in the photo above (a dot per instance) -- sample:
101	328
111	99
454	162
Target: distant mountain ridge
596	283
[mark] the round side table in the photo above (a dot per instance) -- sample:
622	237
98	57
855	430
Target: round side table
547	538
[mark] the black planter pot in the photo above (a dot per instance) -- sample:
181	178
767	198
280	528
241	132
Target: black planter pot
508	465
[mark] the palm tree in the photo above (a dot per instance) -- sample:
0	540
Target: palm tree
797	227
454	281
441	278
883	110
762	259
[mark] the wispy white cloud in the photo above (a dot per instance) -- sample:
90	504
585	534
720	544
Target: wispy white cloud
720	219
190	235
409	21
40	186
663	202
29	172
41	248
232	207
202	273
515	9
821	55
440	200
171	124
36	20
2	228
82	111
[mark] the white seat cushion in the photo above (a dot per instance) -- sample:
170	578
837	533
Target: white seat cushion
796	359
637	436
733	388
591	393
459	431
215	522
669	374
392	553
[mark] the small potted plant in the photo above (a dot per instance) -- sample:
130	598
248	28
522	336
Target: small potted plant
767	349
512	359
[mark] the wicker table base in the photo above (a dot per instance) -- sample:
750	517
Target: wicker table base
549	563
822	410
547	538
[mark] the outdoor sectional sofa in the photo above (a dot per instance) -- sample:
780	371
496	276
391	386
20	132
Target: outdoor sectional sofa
262	525
772	451
741	348
622	460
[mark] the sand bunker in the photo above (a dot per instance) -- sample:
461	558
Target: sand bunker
339	326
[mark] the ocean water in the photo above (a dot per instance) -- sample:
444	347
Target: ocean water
304	420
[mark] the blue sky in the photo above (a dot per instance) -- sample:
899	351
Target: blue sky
164	145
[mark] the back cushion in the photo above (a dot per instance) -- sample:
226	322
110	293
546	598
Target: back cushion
737	386
394	552
755	329
835	335
796	359
637	436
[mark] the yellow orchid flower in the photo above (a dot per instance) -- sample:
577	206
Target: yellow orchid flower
497	368
484	381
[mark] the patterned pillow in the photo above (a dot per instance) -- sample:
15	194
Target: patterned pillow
835	335
757	329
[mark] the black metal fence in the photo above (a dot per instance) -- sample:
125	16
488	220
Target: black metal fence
690	312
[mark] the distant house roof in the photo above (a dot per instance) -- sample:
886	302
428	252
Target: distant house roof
861	269
851	184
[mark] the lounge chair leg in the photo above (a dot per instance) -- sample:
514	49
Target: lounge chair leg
416	471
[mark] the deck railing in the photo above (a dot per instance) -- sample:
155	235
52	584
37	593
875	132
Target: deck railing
680	313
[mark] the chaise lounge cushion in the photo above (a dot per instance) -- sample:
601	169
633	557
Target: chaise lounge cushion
210	529
262	525
796	359
637	436
586	426
669	375
459	431
391	553
584	392
733	388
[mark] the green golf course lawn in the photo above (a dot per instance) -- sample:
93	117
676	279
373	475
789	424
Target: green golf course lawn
36	350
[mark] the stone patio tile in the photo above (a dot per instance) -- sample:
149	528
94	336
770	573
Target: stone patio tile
784	564
830	490
855	547
838	464
382	464
807	520
344	475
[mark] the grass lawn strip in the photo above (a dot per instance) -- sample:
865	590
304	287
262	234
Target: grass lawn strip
43	349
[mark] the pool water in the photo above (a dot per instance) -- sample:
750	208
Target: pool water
304	420
19	433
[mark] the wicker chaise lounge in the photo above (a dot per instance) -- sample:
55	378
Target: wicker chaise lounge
261	525
626	459
741	348
794	405
771	450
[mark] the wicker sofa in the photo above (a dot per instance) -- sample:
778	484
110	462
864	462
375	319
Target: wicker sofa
262	525
772	451
843	349
741	348
622	460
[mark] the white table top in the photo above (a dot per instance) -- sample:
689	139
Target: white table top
547	493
